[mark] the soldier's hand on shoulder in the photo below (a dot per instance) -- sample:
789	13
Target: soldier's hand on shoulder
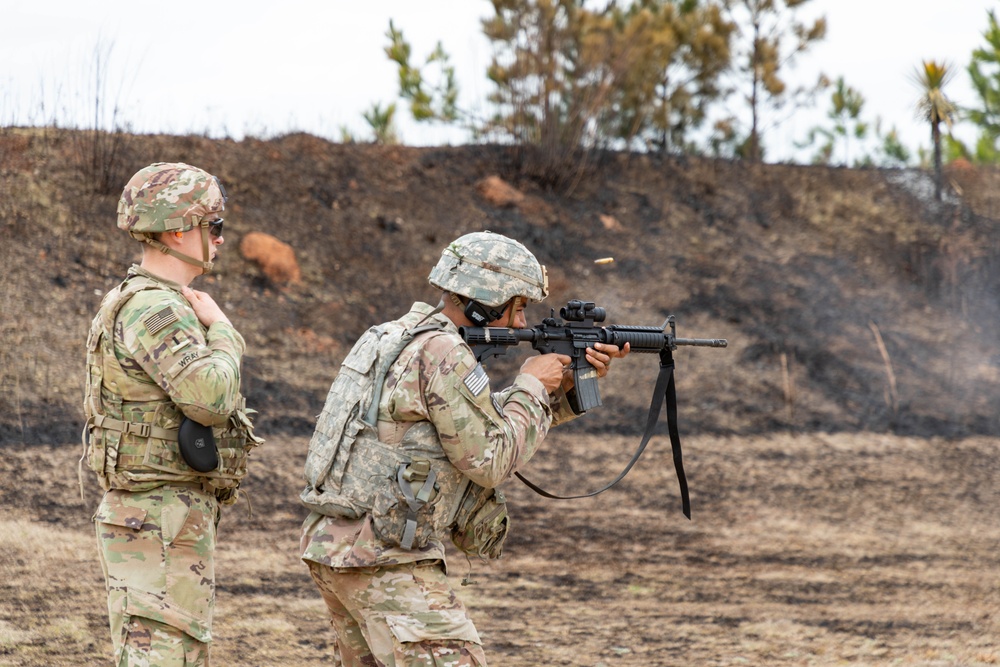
204	306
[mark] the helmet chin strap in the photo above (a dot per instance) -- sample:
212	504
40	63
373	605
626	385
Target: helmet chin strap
205	242
515	302
205	266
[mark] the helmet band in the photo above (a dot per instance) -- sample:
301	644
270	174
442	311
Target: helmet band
543	286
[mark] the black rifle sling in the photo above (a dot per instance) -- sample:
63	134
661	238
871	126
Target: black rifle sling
670	398
664	392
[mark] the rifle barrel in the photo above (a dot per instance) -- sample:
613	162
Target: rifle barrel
702	342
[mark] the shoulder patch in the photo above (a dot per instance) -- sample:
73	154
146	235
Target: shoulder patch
159	320
477	380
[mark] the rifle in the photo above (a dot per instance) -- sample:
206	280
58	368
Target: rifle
572	335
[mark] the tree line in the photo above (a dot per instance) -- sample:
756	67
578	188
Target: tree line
663	75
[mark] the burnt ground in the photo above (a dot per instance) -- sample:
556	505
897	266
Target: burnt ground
814	549
842	450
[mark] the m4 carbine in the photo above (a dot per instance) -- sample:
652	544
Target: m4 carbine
572	335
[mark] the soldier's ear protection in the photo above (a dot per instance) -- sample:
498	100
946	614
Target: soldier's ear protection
477	313
481	315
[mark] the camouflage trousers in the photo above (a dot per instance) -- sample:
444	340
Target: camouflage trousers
157	551
404	615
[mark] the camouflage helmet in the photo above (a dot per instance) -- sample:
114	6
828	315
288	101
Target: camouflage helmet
169	196
491	269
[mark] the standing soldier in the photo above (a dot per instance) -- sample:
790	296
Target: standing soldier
409	450
167	429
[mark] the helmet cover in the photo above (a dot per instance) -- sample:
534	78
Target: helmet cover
169	196
491	269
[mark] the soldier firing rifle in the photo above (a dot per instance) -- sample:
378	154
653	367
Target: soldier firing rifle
571	336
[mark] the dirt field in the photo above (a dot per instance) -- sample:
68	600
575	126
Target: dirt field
803	550
852	301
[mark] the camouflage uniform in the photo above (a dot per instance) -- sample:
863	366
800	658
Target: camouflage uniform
157	552
394	606
151	363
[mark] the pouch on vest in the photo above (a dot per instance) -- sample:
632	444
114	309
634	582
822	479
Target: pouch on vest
403	512
481	523
197	445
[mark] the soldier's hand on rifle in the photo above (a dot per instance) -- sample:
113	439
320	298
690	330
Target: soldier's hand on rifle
548	368
601	358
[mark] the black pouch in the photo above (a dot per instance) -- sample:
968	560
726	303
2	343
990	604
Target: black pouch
197	445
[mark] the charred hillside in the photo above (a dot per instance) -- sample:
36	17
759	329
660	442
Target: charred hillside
850	299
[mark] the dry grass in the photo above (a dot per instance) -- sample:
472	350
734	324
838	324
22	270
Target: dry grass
847	550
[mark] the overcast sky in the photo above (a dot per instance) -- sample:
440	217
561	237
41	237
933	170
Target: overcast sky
233	68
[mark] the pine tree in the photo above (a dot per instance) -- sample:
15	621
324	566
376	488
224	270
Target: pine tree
764	26
984	70
681	49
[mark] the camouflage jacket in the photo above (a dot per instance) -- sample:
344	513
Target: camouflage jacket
166	366
487	436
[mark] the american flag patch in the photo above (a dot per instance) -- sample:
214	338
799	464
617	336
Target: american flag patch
160	319
477	380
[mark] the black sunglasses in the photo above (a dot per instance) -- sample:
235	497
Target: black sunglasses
215	228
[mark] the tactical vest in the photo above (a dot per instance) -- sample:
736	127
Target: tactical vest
130	438
410	488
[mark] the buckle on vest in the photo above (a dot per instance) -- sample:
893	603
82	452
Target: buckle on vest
417	471
141	430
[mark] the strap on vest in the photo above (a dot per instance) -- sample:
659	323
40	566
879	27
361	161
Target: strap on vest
386	359
142	430
664	392
406	473
103	421
84	438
